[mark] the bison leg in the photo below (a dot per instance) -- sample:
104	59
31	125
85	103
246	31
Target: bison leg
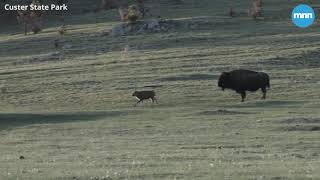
243	96
264	91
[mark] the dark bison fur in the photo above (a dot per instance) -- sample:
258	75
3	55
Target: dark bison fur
244	80
143	95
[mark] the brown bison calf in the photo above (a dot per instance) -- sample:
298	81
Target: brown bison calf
143	95
244	80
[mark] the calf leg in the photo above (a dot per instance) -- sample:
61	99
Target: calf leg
154	99
243	95
138	102
264	91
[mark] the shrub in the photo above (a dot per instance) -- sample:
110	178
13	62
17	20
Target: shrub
133	13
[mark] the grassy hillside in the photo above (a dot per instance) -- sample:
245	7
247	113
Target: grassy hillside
69	111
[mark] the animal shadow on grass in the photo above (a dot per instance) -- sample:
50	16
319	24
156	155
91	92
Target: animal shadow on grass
268	103
8	121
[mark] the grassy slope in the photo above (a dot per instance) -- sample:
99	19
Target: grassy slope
196	132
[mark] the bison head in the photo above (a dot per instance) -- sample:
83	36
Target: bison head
224	80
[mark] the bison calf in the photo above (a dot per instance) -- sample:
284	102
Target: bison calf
244	80
143	95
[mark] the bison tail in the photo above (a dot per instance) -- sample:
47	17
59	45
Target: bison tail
266	79
268	83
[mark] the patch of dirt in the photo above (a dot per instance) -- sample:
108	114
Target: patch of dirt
298	155
53	56
301	124
222	146
157	25
253	158
212	147
141	27
84	82
279	178
189	77
301	128
221	112
306	60
301	121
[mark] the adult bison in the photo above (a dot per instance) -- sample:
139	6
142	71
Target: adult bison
244	80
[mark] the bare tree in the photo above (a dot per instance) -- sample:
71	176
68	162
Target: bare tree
141	7
232	13
256	9
126	12
30	19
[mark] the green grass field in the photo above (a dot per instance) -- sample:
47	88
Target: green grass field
72	117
